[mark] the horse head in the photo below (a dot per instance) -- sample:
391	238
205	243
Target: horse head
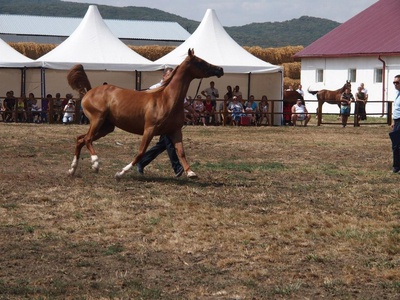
200	68
346	85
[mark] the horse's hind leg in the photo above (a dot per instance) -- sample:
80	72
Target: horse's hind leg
94	135
87	139
80	142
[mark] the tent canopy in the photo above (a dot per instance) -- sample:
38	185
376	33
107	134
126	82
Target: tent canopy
11	58
212	43
93	45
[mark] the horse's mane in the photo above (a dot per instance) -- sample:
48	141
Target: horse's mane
166	82
78	79
347	84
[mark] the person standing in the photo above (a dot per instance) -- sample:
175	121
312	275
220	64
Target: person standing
395	134
212	91
164	143
300	90
361	100
365	92
345	102
236	91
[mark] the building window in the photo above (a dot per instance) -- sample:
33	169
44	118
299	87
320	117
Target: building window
378	75
319	75
352	75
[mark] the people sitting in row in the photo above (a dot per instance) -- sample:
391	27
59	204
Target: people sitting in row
236	110
251	109
263	109
27	109
8	107
253	112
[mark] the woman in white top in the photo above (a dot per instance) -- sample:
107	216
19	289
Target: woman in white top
69	111
300	113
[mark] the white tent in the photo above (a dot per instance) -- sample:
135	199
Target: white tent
93	45
212	43
14	74
11	58
104	57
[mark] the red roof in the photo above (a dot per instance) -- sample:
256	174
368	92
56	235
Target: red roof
371	32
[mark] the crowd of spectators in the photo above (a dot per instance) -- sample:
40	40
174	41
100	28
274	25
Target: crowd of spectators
231	110
36	110
209	108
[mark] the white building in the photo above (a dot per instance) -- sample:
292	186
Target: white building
365	49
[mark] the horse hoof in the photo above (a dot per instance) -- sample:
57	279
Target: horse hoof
95	166
71	172
118	176
191	174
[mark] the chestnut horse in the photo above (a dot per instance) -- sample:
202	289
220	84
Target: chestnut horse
331	97
148	113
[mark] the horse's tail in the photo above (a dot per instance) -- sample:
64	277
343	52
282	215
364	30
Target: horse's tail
312	92
78	80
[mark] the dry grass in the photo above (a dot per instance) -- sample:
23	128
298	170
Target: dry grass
277	213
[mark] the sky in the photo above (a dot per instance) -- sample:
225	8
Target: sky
239	12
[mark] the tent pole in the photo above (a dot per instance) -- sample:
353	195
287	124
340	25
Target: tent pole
198	88
43	82
23	81
248	85
138	83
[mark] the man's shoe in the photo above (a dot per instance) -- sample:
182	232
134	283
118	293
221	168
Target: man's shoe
396	170
139	169
179	173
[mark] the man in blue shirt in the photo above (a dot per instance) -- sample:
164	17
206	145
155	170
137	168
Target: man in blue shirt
395	134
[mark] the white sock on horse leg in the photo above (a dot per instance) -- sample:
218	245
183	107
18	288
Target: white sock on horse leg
74	164
125	169
95	162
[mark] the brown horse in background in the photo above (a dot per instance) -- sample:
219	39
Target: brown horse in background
331	97
148	113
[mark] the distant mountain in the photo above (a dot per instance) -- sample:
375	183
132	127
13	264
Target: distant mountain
302	31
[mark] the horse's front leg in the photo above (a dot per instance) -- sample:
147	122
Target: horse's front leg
146	139
177	141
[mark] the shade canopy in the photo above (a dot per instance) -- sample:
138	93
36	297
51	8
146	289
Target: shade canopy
212	43
11	58
93	45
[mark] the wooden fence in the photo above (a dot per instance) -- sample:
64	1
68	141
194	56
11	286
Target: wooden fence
53	114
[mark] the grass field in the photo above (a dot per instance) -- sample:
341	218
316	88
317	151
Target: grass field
276	213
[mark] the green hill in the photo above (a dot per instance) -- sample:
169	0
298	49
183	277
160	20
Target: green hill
302	31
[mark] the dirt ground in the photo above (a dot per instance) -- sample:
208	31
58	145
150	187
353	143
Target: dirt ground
276	213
